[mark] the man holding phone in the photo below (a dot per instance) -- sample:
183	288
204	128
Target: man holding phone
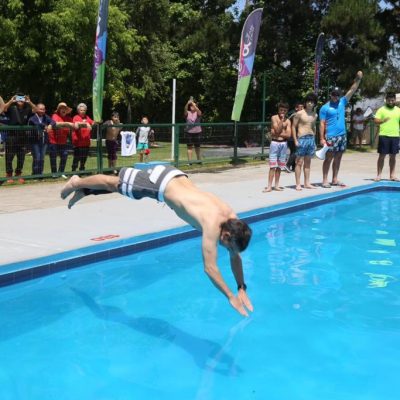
18	110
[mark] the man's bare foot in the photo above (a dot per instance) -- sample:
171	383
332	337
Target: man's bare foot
69	187
79	194
298	187
267	189
278	188
310	186
377	179
394	178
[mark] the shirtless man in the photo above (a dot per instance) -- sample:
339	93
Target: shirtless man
303	131
111	139
204	211
280	133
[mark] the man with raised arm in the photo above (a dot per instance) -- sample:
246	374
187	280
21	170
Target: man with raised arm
204	211
333	131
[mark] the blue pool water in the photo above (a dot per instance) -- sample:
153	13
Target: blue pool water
324	282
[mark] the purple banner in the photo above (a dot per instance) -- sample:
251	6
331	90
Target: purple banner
248	44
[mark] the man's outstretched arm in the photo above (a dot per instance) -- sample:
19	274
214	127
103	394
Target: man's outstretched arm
237	270
209	247
354	86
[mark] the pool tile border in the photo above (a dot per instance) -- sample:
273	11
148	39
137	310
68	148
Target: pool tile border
43	266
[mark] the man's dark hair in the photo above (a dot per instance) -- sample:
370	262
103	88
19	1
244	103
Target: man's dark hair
283	105
114	114
311	97
390	95
240	232
298	103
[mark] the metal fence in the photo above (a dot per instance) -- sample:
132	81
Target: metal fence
26	152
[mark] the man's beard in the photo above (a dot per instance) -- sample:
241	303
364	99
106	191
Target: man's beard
390	105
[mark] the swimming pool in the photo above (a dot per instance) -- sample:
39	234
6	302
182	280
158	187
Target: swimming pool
324	282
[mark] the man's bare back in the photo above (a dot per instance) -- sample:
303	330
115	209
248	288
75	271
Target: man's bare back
198	208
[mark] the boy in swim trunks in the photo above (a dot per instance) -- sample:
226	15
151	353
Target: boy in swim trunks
303	131
332	131
280	133
204	211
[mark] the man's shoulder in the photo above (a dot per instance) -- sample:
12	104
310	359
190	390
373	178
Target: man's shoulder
325	107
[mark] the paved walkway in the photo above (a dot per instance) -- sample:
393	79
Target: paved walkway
36	222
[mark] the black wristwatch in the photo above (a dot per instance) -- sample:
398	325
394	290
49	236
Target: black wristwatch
244	287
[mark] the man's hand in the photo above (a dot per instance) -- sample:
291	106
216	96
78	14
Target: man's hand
241	302
359	76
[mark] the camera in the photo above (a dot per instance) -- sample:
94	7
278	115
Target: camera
19	98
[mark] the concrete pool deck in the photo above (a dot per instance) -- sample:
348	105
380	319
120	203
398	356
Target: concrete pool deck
36	222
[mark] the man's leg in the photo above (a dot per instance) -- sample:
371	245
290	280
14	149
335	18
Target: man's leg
271	175
98	184
277	176
297	171
20	159
75	160
189	152
392	167
379	167
53	157
35	158
42	156
198	154
63	152
325	167
337	158
10	150
84	157
307	168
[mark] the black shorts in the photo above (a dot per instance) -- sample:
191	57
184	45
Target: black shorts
388	145
112	147
193	139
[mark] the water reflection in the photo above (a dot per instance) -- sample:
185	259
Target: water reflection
205	353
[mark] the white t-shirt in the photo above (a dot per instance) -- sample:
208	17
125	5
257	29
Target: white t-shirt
128	143
143	134
358	122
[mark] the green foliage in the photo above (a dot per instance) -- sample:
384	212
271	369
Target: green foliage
46	50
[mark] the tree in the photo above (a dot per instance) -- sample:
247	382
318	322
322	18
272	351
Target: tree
354	43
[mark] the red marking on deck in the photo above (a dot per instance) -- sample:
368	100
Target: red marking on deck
105	237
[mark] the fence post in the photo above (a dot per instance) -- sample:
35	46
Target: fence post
372	133
99	149
176	144
235	143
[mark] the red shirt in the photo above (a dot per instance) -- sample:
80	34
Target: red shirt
60	135
81	136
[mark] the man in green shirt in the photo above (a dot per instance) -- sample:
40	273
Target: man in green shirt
388	119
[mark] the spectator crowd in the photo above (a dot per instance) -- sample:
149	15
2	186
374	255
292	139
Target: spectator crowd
55	134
